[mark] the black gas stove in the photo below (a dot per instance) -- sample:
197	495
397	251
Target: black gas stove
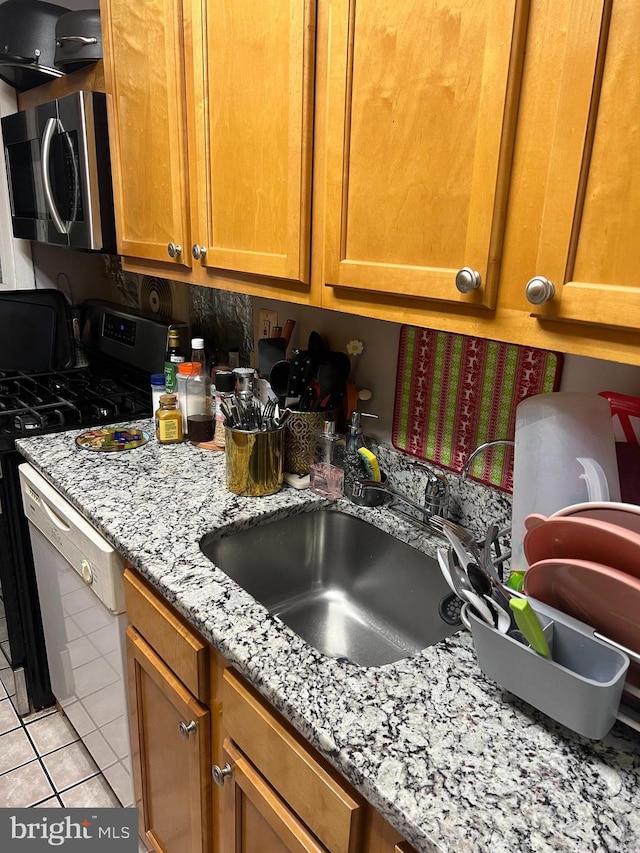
34	403
122	348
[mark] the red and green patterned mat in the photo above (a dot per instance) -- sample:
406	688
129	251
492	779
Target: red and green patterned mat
454	392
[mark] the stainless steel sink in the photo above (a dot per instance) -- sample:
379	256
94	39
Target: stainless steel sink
346	587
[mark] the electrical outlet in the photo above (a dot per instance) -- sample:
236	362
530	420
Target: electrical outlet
267	320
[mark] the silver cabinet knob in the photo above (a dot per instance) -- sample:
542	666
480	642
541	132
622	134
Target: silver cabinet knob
198	251
185	729
220	773
539	290
174	250
468	280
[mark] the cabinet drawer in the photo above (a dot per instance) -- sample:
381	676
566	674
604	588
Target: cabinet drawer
179	646
313	790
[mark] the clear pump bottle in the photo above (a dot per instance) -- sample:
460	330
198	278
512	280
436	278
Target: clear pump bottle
325	477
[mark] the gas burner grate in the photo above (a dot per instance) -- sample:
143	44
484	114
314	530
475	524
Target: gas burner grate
56	400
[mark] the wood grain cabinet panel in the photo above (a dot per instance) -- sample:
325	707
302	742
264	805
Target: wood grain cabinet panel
252	135
588	244
211	133
255	819
321	799
421	107
172	768
144	70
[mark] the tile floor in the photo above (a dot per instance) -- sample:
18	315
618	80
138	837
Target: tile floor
43	763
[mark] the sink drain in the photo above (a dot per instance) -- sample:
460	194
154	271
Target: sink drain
449	609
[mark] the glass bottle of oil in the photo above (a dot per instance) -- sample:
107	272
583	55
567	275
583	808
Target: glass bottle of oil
169	420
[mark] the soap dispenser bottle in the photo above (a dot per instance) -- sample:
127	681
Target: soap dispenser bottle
353	465
325	477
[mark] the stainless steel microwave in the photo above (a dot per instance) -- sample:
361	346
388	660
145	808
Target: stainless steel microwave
59	171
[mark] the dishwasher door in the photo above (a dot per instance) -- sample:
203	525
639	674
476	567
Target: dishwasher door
85	640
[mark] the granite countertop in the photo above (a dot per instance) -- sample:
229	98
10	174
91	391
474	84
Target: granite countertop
447	757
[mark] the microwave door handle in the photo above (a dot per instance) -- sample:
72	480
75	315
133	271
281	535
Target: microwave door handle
52	125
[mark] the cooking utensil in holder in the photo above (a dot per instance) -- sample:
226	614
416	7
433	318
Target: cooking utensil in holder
580	688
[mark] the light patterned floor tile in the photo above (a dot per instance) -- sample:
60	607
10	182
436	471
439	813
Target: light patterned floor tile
50	733
93	793
8	717
15	750
69	765
24	787
51	803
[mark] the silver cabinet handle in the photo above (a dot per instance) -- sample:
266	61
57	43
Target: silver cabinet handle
539	290
220	773
174	250
468	279
185	729
79	39
198	251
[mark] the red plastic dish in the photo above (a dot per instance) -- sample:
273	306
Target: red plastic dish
579	538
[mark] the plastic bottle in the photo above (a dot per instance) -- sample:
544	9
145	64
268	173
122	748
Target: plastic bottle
353	465
225	382
198	396
158	388
326	478
172	359
184	372
168	420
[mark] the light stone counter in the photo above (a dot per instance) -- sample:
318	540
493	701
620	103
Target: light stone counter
445	755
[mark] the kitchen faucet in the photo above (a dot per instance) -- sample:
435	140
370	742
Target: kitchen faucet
436	494
434	510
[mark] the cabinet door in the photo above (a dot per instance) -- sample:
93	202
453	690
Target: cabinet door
254	818
588	246
252	129
144	69
420	116
172	767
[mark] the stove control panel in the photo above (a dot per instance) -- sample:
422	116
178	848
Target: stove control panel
119	329
126	335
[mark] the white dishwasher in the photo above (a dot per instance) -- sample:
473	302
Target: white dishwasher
81	595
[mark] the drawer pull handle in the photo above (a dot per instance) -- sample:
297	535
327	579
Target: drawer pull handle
174	250
220	773
198	251
185	729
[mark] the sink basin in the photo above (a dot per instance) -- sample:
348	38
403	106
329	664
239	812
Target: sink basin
346	587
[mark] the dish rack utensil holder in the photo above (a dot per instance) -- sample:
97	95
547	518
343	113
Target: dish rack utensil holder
581	687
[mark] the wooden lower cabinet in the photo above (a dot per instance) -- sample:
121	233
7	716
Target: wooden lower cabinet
194	718
171	752
254	818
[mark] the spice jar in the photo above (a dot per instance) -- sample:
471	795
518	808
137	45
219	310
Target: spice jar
169	420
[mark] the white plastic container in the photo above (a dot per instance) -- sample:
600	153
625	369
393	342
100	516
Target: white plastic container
564	454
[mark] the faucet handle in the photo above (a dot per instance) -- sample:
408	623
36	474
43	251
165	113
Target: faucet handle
436	494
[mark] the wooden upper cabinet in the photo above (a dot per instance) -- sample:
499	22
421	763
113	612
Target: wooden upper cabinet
588	246
144	69
421	108
252	134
